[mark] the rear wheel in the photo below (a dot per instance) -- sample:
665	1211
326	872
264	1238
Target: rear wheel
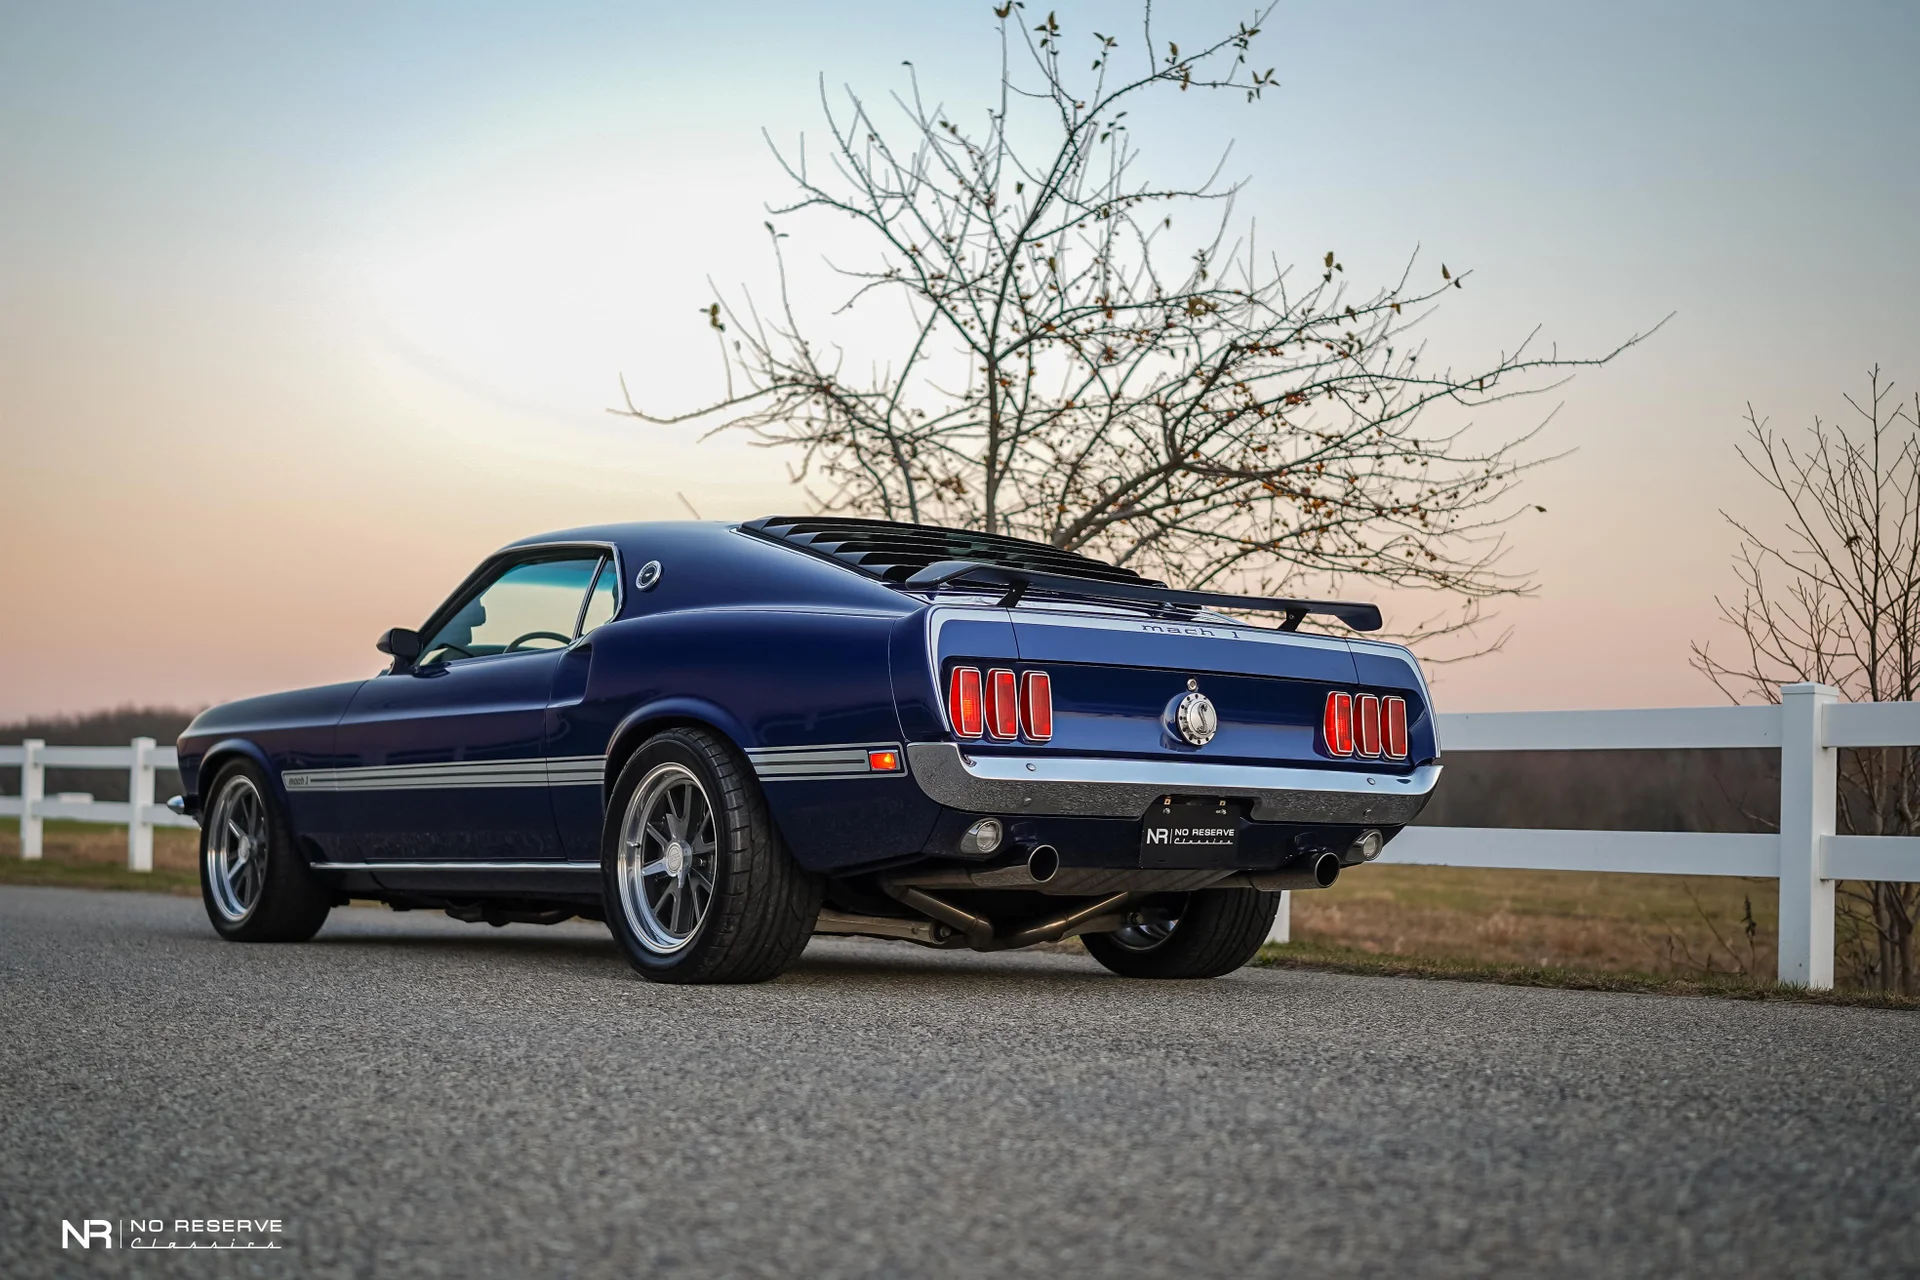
697	885
1214	932
256	886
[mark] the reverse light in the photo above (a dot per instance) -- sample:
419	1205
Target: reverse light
966	707
1338	725
1396	709
1036	705
1368	730
1003	704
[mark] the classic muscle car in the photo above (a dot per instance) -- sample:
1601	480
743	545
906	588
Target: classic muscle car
725	739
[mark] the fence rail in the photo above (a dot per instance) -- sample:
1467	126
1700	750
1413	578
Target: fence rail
1808	728
138	812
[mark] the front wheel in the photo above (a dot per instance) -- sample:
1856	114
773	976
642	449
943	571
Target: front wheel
1214	932
255	884
697	884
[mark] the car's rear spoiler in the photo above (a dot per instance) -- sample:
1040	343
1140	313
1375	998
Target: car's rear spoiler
945	573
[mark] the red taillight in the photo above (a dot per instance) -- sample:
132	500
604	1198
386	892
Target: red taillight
1036	705
1003	704
965	706
1397	728
1369	729
1339	724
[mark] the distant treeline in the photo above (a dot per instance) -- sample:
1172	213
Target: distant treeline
113	728
1590	790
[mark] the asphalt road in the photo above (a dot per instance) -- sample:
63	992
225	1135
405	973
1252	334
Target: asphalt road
410	1095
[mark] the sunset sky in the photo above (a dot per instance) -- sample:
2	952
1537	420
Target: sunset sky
305	309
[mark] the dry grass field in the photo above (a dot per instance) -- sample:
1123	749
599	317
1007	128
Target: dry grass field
92	856
1669	925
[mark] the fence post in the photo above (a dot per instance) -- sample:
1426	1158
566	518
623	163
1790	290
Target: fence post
1282	931
140	795
1808	787
33	789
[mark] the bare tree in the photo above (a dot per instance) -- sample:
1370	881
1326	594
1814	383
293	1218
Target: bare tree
1835	598
1068	369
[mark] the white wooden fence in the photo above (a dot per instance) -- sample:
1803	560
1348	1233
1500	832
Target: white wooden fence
1808	728
138	812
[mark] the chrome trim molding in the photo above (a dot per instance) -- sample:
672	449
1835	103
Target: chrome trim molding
455	866
1083	787
535	771
841	760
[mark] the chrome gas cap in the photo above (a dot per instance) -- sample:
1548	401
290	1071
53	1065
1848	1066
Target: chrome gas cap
1192	716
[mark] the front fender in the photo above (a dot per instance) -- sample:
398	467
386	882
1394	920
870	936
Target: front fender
220	752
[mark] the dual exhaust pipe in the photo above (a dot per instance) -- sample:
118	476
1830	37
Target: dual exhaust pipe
1314	870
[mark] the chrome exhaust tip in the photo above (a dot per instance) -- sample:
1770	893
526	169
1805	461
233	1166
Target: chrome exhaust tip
1309	871
1043	863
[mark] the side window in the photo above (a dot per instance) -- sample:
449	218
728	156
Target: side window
604	599
530	606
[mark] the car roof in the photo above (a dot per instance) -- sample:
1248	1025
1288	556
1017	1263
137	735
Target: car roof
712	562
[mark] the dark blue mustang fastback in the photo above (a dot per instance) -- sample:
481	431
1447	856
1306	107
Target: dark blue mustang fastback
723	739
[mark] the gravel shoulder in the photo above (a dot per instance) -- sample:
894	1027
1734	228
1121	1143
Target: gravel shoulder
411	1094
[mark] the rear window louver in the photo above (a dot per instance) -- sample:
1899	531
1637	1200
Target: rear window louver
894	552
921	557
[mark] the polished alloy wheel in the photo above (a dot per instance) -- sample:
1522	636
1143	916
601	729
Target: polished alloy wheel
237	848
667	856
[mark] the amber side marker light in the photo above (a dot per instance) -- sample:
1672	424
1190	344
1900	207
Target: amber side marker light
883	761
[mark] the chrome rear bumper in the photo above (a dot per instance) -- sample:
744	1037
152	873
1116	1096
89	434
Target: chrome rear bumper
1084	787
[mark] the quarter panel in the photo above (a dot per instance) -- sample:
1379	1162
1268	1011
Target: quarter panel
783	677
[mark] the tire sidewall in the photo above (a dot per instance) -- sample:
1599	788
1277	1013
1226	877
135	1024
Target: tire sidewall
730	836
280	847
1219	931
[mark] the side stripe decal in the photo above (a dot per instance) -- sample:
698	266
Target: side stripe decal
842	760
560	771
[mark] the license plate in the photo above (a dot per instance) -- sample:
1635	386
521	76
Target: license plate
1190	833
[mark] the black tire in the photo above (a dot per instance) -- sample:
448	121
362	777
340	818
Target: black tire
1218	931
283	900
760	904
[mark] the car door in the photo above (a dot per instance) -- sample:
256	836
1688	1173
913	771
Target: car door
446	761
